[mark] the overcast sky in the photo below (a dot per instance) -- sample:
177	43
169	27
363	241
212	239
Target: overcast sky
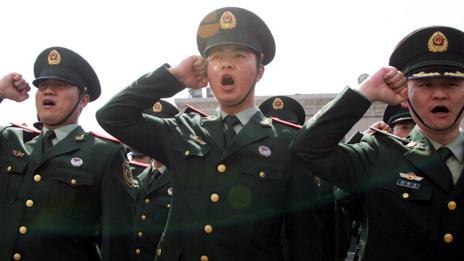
321	45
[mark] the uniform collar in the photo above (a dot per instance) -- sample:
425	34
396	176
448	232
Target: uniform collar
62	132
456	146
244	116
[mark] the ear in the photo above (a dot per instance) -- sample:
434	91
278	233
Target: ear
405	104
85	100
260	72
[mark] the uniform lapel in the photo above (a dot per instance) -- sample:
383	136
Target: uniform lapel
144	181
163	179
70	143
424	157
213	131
256	129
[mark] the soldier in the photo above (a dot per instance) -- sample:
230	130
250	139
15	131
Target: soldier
65	193
398	121
288	109
412	187
233	186
153	196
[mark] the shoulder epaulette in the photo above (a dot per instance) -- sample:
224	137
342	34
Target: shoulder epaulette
140	164
291	124
203	114
382	132
105	137
25	127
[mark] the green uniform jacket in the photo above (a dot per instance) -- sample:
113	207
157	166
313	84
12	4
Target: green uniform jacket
408	219
227	204
153	205
64	204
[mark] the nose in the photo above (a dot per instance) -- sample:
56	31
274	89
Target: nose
226	64
440	92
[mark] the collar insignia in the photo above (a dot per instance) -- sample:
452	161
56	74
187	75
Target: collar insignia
18	153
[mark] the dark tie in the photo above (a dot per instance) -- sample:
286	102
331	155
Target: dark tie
154	175
229	134
47	140
444	153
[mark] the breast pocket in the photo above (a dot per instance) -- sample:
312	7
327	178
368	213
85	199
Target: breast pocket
12	176
73	193
190	164
413	206
264	181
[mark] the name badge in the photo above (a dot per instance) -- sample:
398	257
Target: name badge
407	184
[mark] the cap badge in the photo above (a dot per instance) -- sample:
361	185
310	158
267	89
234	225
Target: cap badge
54	57
76	162
438	43
264	151
157	107
278	104
228	21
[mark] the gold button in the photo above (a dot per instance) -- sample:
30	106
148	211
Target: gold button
221	168
448	238
214	197
17	256
140	234
138	251
29	203
8	169
143	217
147	201
262	174
22	230
405	195
452	205
208	229
37	178
158	252
168	205
73	181
187	153
204	258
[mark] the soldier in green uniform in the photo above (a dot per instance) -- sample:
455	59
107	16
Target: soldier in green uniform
288	109
64	194
233	186
350	217
153	195
412	188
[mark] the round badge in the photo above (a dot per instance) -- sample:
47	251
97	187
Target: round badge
264	151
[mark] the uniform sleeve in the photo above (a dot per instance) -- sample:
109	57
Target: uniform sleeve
303	224
118	211
122	115
316	146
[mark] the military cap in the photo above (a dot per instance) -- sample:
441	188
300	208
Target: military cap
394	114
238	26
285	108
435	51
162	109
65	65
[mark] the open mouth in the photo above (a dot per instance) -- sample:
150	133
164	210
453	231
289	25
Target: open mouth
48	103
440	109
227	80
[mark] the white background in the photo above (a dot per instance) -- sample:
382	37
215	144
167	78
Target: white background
321	45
